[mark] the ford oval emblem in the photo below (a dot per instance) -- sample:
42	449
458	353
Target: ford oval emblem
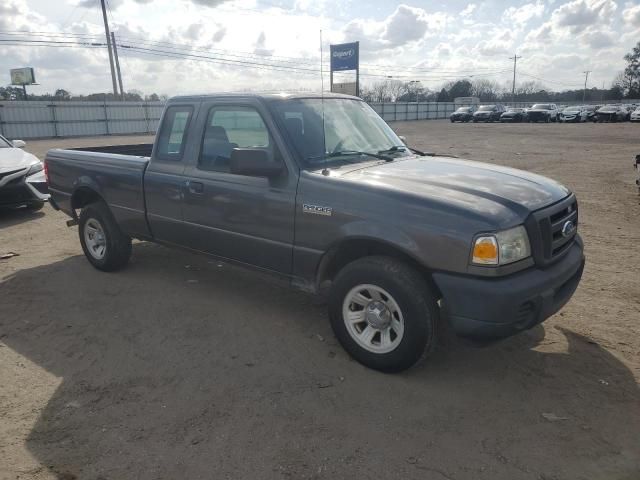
568	228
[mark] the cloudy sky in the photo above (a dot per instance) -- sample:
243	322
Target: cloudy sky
274	44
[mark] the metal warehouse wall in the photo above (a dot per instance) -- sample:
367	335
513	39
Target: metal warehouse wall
76	119
399	111
73	119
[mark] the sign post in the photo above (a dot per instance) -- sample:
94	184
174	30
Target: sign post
345	57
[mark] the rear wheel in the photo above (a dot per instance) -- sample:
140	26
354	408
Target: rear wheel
103	243
383	313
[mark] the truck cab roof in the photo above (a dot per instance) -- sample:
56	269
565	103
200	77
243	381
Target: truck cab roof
267	96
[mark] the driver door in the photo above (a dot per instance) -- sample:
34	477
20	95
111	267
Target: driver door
242	218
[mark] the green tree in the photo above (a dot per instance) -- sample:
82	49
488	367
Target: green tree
62	94
461	88
443	96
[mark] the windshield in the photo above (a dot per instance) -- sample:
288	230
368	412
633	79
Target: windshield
4	143
350	126
486	108
463	110
541	106
515	110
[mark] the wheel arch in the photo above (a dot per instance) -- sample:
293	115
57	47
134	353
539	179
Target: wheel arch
353	248
82	196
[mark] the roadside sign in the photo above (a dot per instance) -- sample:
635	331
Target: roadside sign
345	56
22	76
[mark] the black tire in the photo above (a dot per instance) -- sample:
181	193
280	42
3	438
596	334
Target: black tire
414	298
117	245
452	120
35	206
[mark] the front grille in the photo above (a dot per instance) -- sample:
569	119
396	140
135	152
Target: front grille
537	115
550	232
11	172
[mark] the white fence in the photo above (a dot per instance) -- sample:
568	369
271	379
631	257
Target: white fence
74	119
402	111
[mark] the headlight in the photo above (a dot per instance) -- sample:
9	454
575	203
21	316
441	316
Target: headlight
35	168
502	248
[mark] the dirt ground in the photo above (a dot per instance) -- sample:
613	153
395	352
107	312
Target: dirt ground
179	367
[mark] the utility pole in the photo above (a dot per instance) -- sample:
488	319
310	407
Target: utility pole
106	32
513	85
586	77
115	55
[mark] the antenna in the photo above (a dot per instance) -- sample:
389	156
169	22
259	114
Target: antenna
324	139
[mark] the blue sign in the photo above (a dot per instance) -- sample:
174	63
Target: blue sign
345	56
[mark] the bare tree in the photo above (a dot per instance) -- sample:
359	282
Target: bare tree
485	89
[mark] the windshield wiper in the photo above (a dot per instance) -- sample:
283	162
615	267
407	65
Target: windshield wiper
346	153
395	148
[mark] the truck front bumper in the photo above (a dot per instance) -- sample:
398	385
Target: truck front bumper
499	307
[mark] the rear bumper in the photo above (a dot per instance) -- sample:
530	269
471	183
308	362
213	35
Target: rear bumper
499	307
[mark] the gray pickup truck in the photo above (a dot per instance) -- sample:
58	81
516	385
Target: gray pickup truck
321	191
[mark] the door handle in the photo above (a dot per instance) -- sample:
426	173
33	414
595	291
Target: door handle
195	187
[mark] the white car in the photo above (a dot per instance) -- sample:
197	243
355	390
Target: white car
576	113
22	181
635	115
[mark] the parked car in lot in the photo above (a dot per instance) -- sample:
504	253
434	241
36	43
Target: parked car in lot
514	115
574	114
635	115
611	113
488	113
591	112
462	114
22	182
320	191
542	112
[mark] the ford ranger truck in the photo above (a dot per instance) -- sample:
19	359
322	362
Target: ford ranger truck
321	191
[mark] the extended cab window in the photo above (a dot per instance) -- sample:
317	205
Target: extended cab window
173	133
230	127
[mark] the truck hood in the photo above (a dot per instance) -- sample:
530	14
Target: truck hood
478	186
14	159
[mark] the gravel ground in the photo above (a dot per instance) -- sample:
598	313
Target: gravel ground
182	367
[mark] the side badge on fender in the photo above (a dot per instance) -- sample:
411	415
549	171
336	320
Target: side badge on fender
316	209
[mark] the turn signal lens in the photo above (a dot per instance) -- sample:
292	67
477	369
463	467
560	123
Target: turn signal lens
485	251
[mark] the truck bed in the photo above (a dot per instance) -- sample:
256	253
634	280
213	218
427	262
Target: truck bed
117	178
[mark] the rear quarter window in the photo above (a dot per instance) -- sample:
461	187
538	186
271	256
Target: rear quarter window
173	133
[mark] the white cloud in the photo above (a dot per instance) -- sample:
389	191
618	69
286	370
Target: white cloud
522	15
468	10
579	14
418	43
597	40
631	16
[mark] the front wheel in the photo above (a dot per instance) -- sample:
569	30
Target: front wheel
383	313
103	243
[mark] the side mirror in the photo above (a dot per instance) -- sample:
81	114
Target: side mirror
19	143
403	138
253	163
